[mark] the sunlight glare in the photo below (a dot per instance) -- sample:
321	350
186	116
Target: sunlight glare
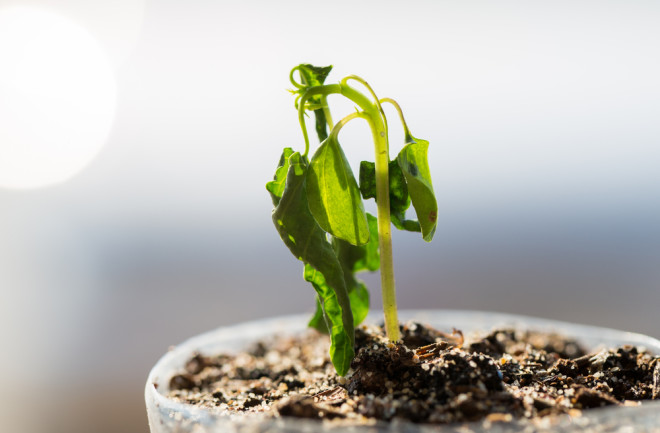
57	98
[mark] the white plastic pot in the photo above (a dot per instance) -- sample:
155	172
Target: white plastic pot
168	416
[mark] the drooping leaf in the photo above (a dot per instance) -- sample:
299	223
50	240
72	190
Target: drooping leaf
341	349
358	296
276	186
318	321
334	196
315	76
415	167
354	259
399	197
308	242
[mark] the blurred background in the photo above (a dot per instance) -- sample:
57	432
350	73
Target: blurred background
136	138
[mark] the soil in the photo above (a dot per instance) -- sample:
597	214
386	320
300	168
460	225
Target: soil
430	377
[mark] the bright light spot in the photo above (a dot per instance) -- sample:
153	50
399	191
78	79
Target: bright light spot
57	98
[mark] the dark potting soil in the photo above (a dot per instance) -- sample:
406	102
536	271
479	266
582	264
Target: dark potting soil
430	377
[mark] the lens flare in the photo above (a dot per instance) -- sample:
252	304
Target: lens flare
57	98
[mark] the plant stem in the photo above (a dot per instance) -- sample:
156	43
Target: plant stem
324	90
376	119
358	114
382	159
388	287
406	131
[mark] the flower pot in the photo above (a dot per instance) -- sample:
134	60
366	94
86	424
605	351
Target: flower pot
168	416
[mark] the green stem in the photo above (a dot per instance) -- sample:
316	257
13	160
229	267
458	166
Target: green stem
335	130
388	287
373	94
376	119
406	131
292	79
382	159
324	90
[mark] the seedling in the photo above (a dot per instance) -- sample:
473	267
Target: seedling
320	215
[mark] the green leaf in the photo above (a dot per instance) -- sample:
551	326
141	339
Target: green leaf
326	301
368	179
359	298
399	197
308	242
415	167
276	186
357	258
400	222
354	259
369	257
333	194
315	76
341	349
318	321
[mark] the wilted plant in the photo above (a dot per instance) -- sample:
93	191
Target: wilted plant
320	215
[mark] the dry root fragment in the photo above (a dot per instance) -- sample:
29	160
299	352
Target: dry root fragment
456	337
430	351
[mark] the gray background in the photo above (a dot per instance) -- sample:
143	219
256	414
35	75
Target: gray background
543	123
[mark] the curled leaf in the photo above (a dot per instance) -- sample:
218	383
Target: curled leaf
415	167
276	186
315	76
332	311
308	242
